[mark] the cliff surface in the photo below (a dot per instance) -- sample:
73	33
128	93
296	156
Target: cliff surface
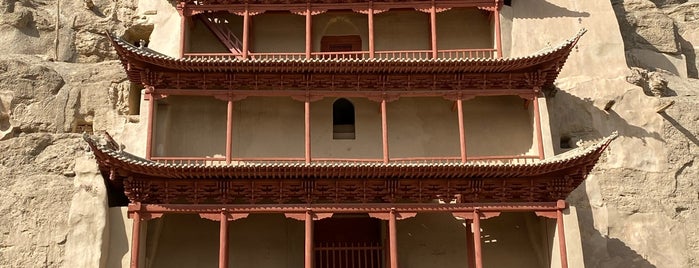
59	77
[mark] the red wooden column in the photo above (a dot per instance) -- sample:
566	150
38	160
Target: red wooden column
477	238
462	131
392	240
498	37
309	27
371	29
308	247
151	122
433	29
223	241
229	131
469	244
537	127
183	25
307	119
135	239
246	32
384	131
561	233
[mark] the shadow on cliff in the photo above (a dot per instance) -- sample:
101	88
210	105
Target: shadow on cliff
576	117
573	116
545	9
600	250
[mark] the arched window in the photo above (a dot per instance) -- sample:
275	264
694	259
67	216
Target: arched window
343	120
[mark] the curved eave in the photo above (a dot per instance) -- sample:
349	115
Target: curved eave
580	160
136	59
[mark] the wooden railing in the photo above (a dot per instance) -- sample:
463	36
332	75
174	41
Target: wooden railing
180	160
349	255
407	54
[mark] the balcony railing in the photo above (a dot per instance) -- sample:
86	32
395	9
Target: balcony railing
402	54
179	160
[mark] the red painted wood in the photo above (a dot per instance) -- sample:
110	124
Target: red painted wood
498	34
309	29
433	29
537	123
462	131
392	240
370	18
477	238
151	122
308	244
135	239
384	131
470	244
246	33
223	241
307	119
561	238
229	132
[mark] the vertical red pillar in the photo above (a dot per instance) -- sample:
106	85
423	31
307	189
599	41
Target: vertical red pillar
384	131
309	36
392	240
135	239
229	132
462	131
223	241
151	122
433	29
477	238
246	32
183	25
307	119
561	234
469	244
308	249
537	127
371	29
498	35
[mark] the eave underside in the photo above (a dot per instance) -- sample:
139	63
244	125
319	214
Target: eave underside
144	181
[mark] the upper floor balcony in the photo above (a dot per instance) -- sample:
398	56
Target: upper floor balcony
362	30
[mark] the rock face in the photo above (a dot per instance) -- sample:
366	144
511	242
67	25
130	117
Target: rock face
637	209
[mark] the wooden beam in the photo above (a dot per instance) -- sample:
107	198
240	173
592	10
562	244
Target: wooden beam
309	29
561	237
246	32
477	238
537	128
433	29
229	131
308	246
135	239
150	128
462	131
370	17
498	34
307	124
384	131
223	241
392	240
183	37
469	244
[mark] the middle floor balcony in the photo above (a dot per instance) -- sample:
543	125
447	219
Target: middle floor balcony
205	130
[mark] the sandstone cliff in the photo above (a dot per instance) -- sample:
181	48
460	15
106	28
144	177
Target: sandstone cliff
58	77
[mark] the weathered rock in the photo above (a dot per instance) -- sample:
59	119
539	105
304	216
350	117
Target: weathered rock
645	26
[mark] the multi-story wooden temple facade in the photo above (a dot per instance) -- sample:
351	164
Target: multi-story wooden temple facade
346	134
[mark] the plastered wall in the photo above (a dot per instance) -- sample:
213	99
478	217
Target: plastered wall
274	127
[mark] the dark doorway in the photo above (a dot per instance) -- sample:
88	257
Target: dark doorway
348	241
